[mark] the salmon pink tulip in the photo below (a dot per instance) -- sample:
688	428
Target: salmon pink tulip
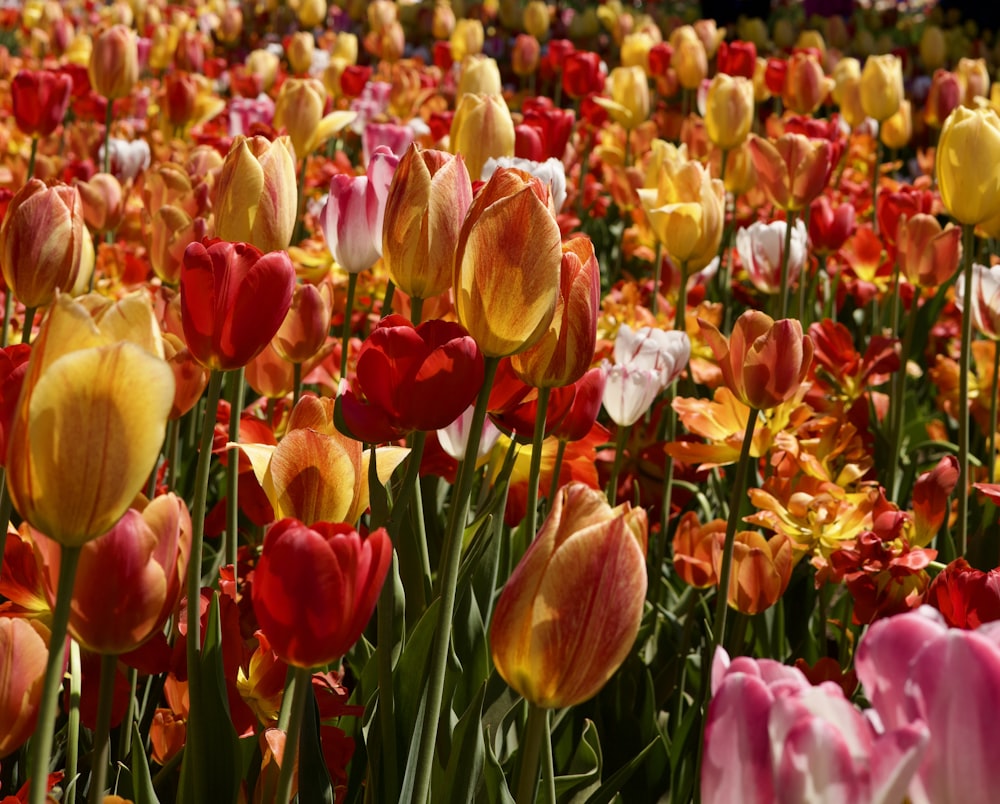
24	653
569	614
233	300
315	588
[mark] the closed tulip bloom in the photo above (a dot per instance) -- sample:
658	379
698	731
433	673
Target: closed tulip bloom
985	299
646	362
566	351
897	131
928	254
94	404
21	675
760	247
829	228
40	99
525	55
479	74
629	101
536	18
315	588
933	47
974	77
352	218
737	58
686	212
299	109
690	60
171	231
264	64
299	50
846	91
233	300
764	362
882	86
507	264
412	378
806	86
190	377
943	97
570	612
482	127
41	242
968	165
729	110
761	570
582	74
793	170
306	325
428	198
256	193
694	548
103	202
467	39
310	13
114	62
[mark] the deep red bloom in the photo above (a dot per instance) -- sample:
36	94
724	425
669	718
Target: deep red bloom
967	597
737	58
774	75
580	419
353	80
13	367
829	228
233	300
528	143
660	55
582	74
41	99
907	201
555	56
412	378
315	589
555	124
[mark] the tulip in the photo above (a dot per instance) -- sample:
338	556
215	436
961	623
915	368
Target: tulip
264	64
737	58
306	325
932	47
985	299
551	172
233	300
882	86
635	49
454	439
536	18
729	110
847	91
646	362
913	667
114	63
582	74
427	201
966	597
94	404
943	97
761	570
565	352
629	101
103	202
690	59
556	125
525	55
40	99
316	474
41	242
315	588
299	49
466	39
967	157
413	378
765	361
686	213
793	170
352	218
694	548
507	264
481	128
299	109
897	131
570	612
761	247
806	87
974	76
24	651
256	193
480	74
190	377
829	228
928	254
172	230
931	500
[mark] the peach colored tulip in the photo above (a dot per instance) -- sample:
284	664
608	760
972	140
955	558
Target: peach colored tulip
690	59
761	570
91	417
507	264
306	325
21	673
570	612
256	193
114	62
974	76
793	169
693	550
928	254
103	202
806	86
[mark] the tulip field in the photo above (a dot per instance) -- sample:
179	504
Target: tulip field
429	401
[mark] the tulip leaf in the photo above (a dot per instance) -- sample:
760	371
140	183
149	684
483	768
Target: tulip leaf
314	779
585	767
142	784
378	498
465	764
410	673
610	788
495	780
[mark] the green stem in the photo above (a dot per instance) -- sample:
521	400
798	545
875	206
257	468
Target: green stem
962	489
531	517
31	159
654	304
29	323
41	748
789	223
557	469
620	437
660	544
386	704
73	726
125	751
285	712
548	769
736	497
390	292
173	452
300	693
897	402
680	312
108	117
6	507
99	764
296	383
416	310
352	285
198	507
535	732
8	311
450	561
992	454
233	470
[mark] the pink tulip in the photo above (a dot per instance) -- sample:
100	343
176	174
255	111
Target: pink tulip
646	362
913	666
761	246
353	214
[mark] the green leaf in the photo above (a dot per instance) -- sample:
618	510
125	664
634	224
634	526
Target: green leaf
468	755
584	768
607	791
142	784
497	791
314	779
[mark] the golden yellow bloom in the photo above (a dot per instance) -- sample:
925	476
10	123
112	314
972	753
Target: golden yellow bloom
882	86
968	164
482	127
729	110
299	109
629	101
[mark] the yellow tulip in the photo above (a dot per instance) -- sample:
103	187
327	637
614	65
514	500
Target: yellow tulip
729	109
629	101
968	164
690	59
467	39
882	86
299	109
479	74
536	18
898	129
482	127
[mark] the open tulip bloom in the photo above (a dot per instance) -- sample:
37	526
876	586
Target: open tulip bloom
557	404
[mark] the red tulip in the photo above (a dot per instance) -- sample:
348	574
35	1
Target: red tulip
967	597
737	58
41	99
829	228
233	300
413	378
315	588
582	74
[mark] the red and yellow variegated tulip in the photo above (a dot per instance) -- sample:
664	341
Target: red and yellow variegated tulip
307	324
91	418
793	170
24	651
114	62
257	196
761	570
570	612
507	264
928	254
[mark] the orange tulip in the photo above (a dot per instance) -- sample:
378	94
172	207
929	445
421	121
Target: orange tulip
306	325
566	350
257	196
91	417
482	127
928	254
41	242
793	170
570	612
764	361
171	231
21	673
317	474
507	264
190	377
694	548
114	62
761	570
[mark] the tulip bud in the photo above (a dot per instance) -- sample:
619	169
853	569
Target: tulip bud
882	86
729	110
310	13
507	264
299	109
897	131
761	247
41	242
975	79
535	18
479	74
847	91
943	97
690	59
482	127
694	550
264	65
629	101
646	362
761	570
257	197
933	48
306	325
737	58
40	99
467	39
588	564
525	55
21	677
582	74
806	87
967	162
103	202
114	63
